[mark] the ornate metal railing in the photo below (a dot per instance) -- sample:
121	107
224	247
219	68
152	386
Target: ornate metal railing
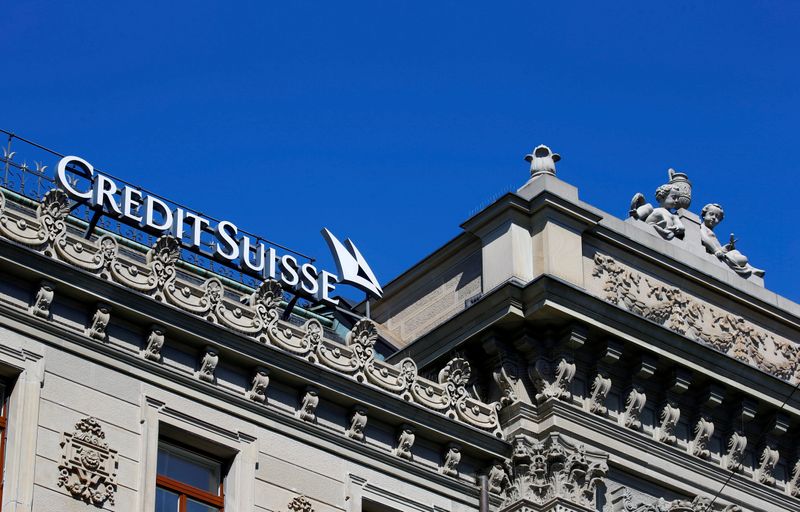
28	171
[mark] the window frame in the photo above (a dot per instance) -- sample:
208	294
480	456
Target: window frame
186	491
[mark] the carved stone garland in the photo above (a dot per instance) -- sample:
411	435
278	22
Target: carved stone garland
624	503
88	468
677	311
553	469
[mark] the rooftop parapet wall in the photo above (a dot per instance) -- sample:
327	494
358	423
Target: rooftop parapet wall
256	316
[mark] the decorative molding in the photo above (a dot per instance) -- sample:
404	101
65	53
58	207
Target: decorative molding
43	300
154	344
698	320
601	385
88	468
703	430
665	432
208	365
554	469
765	473
451	459
733	458
258	386
358	422
793	488
98	328
308	404
634	404
552	380
498	477
405	440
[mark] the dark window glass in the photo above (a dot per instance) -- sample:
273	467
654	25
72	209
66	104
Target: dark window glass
189	468
166	500
187	481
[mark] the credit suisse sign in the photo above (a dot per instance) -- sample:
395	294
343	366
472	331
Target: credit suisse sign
229	244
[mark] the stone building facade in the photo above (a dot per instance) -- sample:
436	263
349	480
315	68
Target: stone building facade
551	357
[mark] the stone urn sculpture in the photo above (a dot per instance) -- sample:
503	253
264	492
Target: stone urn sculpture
543	161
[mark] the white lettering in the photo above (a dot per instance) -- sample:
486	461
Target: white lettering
308	278
325	287
103	191
245	251
226	233
198	224
131	201
288	266
63	179
150	205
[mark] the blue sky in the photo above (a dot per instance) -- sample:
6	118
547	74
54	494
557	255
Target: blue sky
390	122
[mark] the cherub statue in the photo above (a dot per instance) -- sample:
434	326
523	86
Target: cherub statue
670	196
712	215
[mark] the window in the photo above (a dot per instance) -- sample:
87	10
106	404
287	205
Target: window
187	481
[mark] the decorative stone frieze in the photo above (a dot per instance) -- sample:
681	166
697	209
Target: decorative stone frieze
552	380
697	320
405	440
451	459
208	365
308	404
154	343
258	386
703	430
98	328
300	504
43	299
634	404
358	422
257	317
554	469
622	501
88	468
